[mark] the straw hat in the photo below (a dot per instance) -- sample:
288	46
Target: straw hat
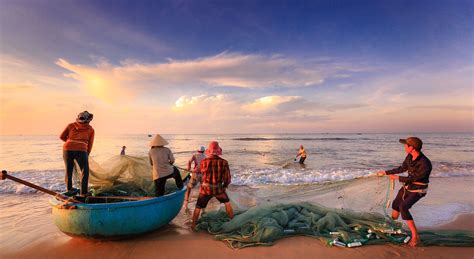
158	141
214	149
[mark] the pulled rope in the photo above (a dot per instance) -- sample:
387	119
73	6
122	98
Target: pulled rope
390	188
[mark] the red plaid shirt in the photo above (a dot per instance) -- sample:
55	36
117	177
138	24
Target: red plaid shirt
215	175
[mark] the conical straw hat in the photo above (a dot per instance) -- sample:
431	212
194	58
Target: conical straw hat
158	141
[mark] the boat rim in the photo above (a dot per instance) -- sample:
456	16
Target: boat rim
93	206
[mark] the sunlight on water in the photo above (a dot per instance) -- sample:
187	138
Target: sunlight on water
254	159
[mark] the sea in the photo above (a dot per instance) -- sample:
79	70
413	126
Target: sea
255	159
337	173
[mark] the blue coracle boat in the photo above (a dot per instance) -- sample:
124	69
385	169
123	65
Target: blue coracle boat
118	219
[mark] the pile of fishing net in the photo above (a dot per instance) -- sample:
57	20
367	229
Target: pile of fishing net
124	176
262	225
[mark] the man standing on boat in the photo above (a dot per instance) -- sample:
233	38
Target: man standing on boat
215	179
78	137
162	160
415	185
196	175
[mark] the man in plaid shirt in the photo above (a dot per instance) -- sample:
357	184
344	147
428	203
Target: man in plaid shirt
215	179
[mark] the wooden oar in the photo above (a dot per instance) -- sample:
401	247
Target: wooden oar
39	188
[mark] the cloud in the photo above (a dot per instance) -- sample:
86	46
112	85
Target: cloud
208	108
468	108
265	114
423	86
105	80
273	104
15	87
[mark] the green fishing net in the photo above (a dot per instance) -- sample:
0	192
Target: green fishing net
330	216
262	225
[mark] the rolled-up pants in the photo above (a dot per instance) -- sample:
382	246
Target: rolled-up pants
404	201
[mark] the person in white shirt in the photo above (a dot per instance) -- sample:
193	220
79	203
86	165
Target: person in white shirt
162	159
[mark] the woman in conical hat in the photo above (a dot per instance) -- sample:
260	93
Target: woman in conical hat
162	159
158	141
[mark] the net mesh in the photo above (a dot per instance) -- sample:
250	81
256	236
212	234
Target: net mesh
345	213
124	175
262	225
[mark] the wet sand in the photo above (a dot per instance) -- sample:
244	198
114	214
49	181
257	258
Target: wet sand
28	232
175	241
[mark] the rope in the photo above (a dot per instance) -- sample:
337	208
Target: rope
390	188
180	168
186	170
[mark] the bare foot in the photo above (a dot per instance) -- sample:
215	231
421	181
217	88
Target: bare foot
415	241
193	228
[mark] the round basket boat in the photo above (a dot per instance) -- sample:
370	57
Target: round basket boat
119	219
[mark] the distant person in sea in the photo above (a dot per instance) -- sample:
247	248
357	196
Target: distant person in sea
196	176
415	185
215	180
162	159
301	154
122	153
78	137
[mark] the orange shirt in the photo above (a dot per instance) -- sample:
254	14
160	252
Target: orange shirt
302	152
78	137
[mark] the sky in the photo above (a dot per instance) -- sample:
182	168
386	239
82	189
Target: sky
224	67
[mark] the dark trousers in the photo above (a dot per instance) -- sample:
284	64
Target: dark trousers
404	201
302	160
82	159
161	182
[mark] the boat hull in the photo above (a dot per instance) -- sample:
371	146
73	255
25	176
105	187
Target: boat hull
117	220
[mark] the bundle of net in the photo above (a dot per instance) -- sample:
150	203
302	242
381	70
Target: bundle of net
346	214
123	176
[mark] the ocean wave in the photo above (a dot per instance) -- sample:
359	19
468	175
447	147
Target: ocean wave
298	176
241	175
251	177
49	179
305	139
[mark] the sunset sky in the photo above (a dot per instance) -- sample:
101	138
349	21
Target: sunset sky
237	66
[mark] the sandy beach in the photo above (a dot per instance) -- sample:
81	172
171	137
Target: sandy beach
175	241
316	117
32	234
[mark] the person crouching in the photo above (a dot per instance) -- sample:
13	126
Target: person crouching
161	160
215	179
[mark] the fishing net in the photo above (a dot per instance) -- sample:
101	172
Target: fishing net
124	176
346	213
262	225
